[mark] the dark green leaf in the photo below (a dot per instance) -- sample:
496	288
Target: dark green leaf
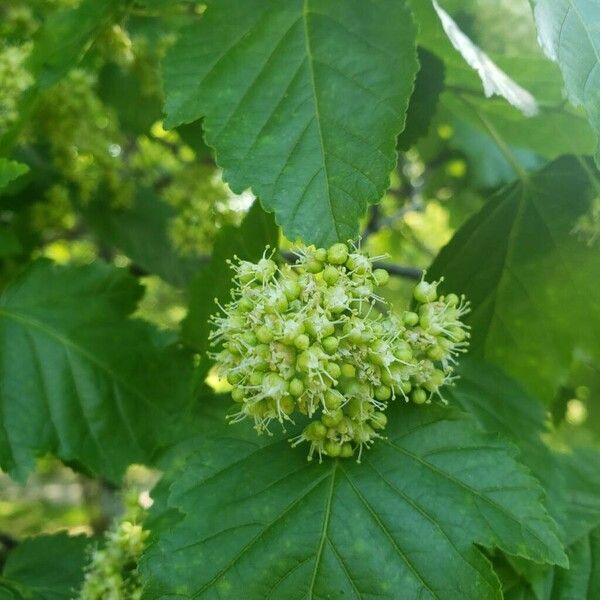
77	374
529	277
48	567
259	520
424	100
582	580
248	242
568	33
140	232
302	101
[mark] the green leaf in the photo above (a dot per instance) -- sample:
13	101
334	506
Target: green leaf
582	580
489	167
568	33
529	277
259	520
248	242
140	232
10	170
67	35
77	373
424	100
494	80
550	134
581	511
303	101
48	567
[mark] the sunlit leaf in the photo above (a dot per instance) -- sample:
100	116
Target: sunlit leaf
302	101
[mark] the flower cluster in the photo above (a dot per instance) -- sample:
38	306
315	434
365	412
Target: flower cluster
15	80
315	338
112	570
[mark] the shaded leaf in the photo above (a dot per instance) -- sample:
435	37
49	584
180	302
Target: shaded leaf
140	232
67	35
569	34
582	580
76	373
494	80
406	519
529	277
301	100
424	100
47	567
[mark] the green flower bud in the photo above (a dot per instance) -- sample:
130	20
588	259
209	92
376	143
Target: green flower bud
419	396
332	449
302	342
410	318
332	419
337	254
425	292
381	277
330	275
296	387
330	344
264	334
348	370
378	420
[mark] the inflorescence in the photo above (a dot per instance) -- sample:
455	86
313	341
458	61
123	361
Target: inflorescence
315	338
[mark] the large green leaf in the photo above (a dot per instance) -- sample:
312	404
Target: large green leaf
262	522
48	567
302	101
76	374
247	242
568	33
530	279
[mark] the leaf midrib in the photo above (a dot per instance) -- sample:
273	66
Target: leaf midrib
313	86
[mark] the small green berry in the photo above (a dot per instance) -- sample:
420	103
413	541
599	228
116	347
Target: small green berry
302	342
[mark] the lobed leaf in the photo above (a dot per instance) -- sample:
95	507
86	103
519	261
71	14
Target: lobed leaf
259	521
529	276
302	101
76	373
